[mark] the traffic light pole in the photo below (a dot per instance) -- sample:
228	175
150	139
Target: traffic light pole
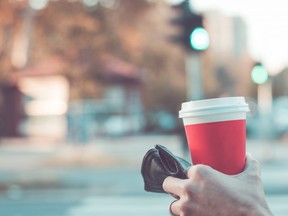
195	39
264	96
194	78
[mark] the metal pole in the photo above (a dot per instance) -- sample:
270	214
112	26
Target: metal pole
265	107
265	97
194	78
20	52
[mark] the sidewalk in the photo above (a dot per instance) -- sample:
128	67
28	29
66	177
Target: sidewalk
26	154
32	164
65	179
36	164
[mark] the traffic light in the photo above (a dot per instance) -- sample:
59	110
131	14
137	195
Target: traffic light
259	74
199	39
193	36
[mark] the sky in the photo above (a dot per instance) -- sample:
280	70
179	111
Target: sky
267	23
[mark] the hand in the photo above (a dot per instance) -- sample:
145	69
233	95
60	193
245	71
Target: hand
208	192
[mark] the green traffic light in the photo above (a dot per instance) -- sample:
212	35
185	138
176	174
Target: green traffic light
199	39
259	74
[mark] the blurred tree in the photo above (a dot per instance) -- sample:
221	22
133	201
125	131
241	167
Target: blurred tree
10	97
133	31
83	36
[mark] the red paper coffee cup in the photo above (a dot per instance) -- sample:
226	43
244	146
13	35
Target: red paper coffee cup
216	132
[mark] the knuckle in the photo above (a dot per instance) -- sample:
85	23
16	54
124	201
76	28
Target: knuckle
187	188
255	177
257	164
185	208
184	186
200	171
255	169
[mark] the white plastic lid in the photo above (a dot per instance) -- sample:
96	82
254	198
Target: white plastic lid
213	106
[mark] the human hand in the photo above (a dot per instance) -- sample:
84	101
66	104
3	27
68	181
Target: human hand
208	192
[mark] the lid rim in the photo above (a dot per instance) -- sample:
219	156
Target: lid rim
216	108
214	112
213	106
184	115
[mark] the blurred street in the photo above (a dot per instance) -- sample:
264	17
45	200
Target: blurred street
103	177
86	91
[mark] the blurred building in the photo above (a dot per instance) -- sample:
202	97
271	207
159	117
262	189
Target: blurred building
228	61
45	94
11	111
279	83
228	35
103	51
49	112
37	95
118	112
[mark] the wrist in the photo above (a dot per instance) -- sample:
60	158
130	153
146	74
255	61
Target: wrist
255	209
262	211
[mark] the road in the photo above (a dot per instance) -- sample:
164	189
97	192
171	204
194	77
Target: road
130	205
37	182
114	192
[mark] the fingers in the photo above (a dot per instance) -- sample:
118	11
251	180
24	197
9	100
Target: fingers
174	208
199	171
184	190
172	186
184	206
197	175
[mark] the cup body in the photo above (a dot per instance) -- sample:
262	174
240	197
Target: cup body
216	132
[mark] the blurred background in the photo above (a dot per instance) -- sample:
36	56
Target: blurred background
88	86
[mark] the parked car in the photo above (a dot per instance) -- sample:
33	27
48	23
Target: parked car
279	116
273	124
